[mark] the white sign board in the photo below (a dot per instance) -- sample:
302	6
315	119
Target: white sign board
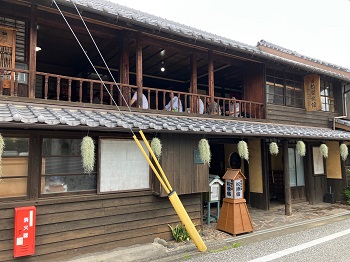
229	188
317	161
238	186
123	166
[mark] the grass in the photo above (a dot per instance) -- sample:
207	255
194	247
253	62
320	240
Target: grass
233	245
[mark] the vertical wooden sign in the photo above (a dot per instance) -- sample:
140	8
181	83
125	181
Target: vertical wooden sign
7	55
312	92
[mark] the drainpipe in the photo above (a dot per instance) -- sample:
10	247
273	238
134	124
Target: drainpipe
345	106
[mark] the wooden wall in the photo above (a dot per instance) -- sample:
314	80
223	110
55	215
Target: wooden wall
72	226
299	116
177	161
254	82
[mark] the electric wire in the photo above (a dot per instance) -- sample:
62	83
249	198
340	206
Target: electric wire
82	48
173	197
162	178
98	50
104	61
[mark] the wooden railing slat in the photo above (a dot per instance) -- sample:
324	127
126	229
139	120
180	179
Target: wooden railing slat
153	95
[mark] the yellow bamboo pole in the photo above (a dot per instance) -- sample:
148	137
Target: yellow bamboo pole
155	160
151	164
174	199
186	220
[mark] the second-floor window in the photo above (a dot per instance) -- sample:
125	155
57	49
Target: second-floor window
327	96
284	88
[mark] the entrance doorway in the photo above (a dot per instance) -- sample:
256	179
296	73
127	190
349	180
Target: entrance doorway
296	174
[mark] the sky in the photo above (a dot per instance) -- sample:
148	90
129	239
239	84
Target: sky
316	28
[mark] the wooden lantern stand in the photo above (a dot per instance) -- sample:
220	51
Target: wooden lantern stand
234	216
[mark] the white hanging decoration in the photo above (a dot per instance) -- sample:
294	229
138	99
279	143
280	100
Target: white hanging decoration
88	154
301	148
324	150
273	148
156	146
2	146
344	151
243	150
204	151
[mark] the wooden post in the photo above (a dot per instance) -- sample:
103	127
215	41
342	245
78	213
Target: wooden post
193	88
211	80
35	147
309	177
124	66
266	186
32	52
286	179
139	80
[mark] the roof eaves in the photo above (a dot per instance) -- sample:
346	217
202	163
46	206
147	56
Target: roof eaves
296	54
142	18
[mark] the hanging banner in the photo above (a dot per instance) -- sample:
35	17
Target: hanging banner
312	93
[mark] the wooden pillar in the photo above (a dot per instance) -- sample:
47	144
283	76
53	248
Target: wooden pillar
32	51
124	68
194	104
139	78
211	79
309	177
34	183
265	172
286	180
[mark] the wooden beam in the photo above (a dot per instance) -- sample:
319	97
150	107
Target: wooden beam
124	67
286	180
139	80
211	79
173	44
33	35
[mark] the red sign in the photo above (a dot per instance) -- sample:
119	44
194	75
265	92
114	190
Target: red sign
24	241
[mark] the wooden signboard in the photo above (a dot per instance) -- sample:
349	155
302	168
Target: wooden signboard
312	87
7	55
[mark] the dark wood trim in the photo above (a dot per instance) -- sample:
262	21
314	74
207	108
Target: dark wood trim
139	80
211	79
286	179
34	169
265	159
193	88
9	203
32	51
172	44
124	68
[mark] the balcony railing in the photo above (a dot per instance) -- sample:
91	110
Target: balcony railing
14	82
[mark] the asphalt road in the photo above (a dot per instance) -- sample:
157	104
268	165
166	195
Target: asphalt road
328	242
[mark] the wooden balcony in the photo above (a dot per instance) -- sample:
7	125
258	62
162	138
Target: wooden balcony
14	83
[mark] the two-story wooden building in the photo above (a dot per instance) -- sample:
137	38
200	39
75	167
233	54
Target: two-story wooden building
51	96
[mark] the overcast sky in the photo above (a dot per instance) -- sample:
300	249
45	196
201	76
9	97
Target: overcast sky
315	28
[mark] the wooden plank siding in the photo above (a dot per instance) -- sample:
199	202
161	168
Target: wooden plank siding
298	116
177	162
70	229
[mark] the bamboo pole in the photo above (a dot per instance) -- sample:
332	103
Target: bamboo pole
173	197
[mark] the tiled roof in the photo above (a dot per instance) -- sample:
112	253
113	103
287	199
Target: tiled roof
344	122
130	15
46	116
294	53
